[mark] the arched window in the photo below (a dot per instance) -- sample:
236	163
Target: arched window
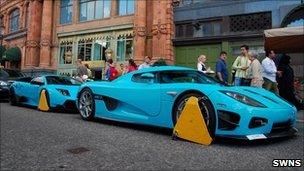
14	20
294	18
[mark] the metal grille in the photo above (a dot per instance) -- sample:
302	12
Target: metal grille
250	22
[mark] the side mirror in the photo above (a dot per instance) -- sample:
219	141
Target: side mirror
147	76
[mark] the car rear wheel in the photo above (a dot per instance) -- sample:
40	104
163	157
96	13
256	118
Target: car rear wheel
205	107
86	104
13	99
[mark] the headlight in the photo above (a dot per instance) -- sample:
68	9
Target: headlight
63	92
243	99
2	83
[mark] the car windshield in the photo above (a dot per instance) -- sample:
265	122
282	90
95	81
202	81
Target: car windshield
61	80
3	74
13	73
188	76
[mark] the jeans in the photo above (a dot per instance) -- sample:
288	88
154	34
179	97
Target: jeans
237	81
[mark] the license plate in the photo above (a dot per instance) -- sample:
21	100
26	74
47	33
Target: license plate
256	136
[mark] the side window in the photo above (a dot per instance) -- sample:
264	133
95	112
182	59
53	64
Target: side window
180	77
144	78
38	81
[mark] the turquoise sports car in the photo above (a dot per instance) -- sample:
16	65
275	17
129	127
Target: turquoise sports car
60	91
157	95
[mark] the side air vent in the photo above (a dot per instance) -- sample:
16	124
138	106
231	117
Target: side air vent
228	120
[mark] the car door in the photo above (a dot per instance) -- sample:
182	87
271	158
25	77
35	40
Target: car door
34	88
140	95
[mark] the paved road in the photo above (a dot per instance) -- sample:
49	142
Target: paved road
37	140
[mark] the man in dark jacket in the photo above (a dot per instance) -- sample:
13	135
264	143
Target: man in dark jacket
286	81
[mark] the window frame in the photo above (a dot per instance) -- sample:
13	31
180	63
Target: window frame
124	39
126	8
13	17
94	18
84	43
65	7
65	45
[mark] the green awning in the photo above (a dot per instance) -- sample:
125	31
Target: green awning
12	54
2	50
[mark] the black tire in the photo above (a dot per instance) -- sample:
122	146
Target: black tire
86	101
205	105
12	97
47	99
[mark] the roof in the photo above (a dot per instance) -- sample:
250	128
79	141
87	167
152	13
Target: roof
285	40
287	31
162	68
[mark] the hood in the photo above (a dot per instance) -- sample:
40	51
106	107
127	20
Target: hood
261	95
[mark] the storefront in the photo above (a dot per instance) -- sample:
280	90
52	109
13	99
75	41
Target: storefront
94	50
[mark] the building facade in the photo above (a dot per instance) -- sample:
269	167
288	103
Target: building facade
96	30
53	34
208	27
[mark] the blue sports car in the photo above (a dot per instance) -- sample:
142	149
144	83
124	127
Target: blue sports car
156	96
60	91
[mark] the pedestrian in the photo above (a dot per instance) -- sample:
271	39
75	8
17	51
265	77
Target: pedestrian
286	82
146	63
131	66
221	68
269	72
111	73
255	71
241	65
88	70
82	72
201	63
122	69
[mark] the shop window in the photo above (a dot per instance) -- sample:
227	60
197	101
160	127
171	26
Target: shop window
124	49
66	53
100	46
14	20
66	8
94	9
125	7
250	22
85	50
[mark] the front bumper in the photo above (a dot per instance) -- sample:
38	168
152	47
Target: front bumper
272	135
277	122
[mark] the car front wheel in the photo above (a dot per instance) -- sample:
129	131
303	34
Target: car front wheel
86	104
205	107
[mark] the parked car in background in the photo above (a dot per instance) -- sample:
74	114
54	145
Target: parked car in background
7	77
60	91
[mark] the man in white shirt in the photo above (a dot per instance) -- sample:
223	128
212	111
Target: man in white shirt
146	63
269	72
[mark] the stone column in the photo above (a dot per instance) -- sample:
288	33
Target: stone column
114	8
46	34
140	30
162	30
33	36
